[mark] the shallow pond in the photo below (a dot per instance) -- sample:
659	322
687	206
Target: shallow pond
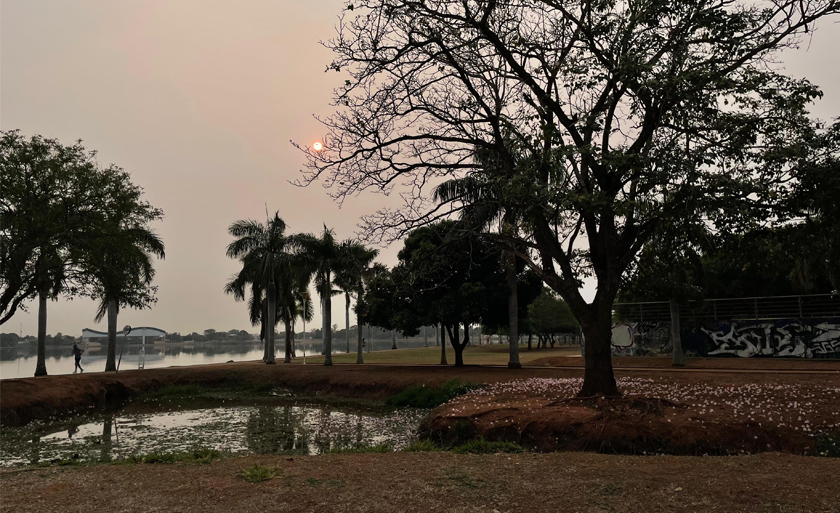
284	426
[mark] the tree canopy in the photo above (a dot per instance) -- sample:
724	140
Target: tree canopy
605	121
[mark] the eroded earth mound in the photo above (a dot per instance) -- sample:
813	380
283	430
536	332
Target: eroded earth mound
653	416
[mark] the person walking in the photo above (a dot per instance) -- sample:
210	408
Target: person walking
78	354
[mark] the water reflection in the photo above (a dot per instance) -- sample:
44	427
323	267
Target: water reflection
273	430
279	428
20	361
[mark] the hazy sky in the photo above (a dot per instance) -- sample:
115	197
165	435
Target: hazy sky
198	100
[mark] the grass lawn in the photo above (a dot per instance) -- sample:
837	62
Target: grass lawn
474	355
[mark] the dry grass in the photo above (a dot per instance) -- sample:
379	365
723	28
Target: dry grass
432	482
475	355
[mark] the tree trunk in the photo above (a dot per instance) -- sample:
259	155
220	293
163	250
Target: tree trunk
288	324
598	377
455	340
513	312
328	324
359	355
393	339
294	340
264	333
437	336
111	359
41	366
675	333
529	341
269	325
442	345
425	338
347	320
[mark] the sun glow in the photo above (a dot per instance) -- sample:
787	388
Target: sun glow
317	146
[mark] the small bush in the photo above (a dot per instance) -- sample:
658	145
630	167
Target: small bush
258	474
198	455
828	445
482	446
430	397
361	449
422	446
175	391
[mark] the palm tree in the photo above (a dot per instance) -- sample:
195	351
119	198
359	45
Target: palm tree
267	261
304	311
356	259
256	302
322	259
121	267
292	289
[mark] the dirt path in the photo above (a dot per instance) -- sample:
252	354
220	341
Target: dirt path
432	482
26	399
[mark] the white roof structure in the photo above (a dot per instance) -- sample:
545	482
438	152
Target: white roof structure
144	331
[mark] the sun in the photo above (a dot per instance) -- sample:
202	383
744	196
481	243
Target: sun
317	146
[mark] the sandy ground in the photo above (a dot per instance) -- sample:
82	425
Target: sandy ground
421	482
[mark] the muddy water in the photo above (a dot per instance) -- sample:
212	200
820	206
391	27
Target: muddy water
282	427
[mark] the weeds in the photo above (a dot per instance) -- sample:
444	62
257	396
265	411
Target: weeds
482	446
828	445
200	455
361	449
423	446
609	489
258	473
460	478
328	483
430	397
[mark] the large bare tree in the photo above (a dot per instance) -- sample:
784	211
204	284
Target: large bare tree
603	121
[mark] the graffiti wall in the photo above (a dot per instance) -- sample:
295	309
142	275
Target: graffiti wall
796	338
641	338
802	338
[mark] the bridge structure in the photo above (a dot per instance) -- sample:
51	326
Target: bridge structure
143	332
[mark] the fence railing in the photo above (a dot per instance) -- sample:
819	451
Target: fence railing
744	308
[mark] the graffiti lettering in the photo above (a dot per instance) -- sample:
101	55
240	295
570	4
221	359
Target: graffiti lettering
802	338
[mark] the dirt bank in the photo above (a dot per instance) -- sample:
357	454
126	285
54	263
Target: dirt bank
23	400
438	482
654	416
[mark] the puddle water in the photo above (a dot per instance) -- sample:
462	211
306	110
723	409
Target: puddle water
285	427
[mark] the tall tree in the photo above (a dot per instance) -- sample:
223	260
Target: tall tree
118	267
323	259
267	259
356	263
602	99
52	196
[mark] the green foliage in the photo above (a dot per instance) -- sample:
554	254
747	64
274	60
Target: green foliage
362	449
549	314
175	391
199	455
596	124
828	445
429	397
70	226
482	446
258	473
422	446
325	483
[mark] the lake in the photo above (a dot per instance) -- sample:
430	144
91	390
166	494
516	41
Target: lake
19	362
